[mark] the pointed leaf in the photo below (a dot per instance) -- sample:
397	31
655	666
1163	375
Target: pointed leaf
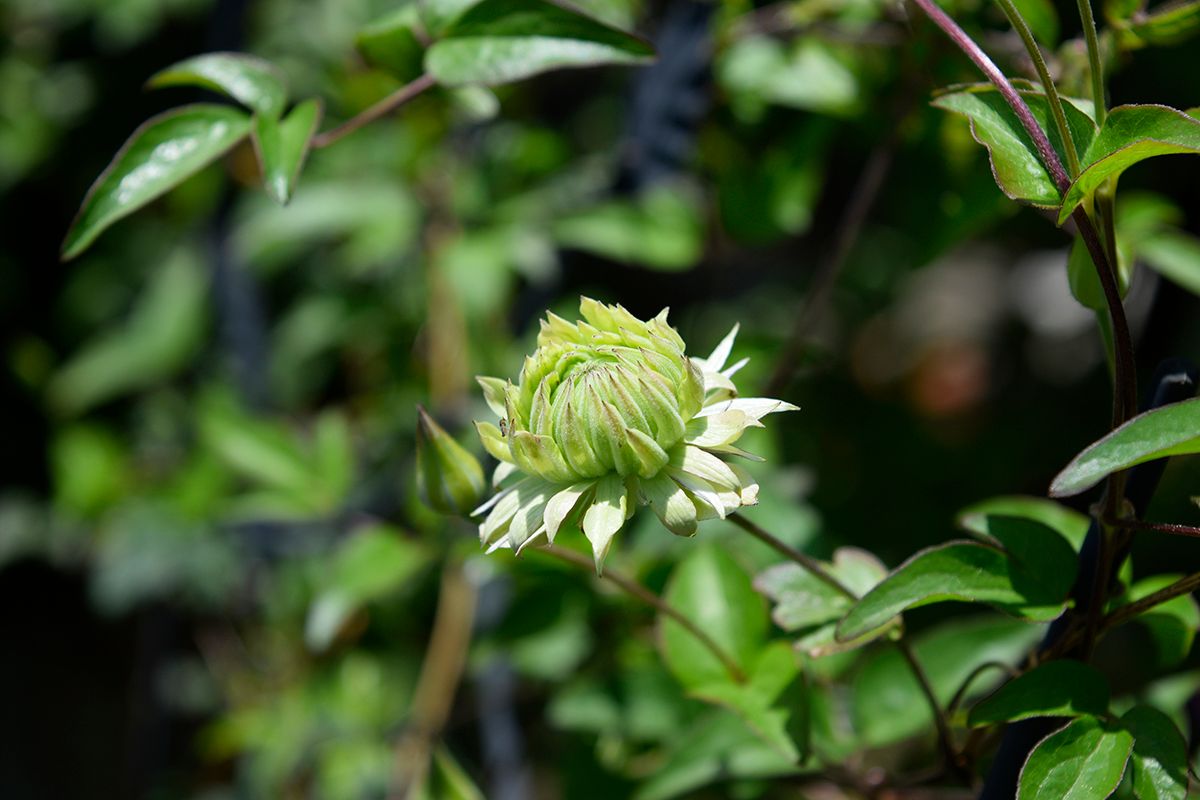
1083	761
1131	134
282	145
500	41
1067	522
252	81
1160	760
158	156
1055	689
1015	164
393	43
1168	431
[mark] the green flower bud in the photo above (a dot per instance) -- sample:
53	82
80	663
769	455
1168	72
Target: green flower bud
449	478
608	413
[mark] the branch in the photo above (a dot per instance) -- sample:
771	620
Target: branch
812	565
1183	586
1157	527
381	109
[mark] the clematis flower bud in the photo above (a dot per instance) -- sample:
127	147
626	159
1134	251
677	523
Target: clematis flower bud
449	478
609	413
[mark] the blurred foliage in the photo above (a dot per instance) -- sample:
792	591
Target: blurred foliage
212	549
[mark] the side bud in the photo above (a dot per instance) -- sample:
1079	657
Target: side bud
449	478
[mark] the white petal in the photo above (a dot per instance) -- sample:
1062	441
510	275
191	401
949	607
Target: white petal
528	518
733	369
756	407
605	515
719	429
672	505
493	394
721	503
503	471
705	465
561	506
716	361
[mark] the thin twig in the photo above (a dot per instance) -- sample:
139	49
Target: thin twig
648	597
381	109
812	565
1157	527
1094	62
945	739
1183	586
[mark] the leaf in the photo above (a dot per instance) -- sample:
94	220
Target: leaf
1172	625
709	588
282	145
757	701
1063	688
1065	521
1171	430
159	155
1030	577
661	229
1130	134
888	703
1015	164
252	81
1160	759
1041	18
165	329
1170	24
805	74
501	41
1175	256
393	43
802	600
1083	761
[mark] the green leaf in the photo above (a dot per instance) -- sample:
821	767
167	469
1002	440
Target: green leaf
804	74
888	704
1041	18
1084	282
252	81
1159	755
1130	134
661	229
802	600
158	156
1170	24
757	701
1083	761
165	329
1172	625
500	41
1055	689
1067	522
1015	164
1172	430
1175	256
282	145
709	588
393	43
1030	577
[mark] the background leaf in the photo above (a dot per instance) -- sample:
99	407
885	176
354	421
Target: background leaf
252	81
393	43
1172	625
282	145
1159	761
157	157
1083	761
1168	431
1063	688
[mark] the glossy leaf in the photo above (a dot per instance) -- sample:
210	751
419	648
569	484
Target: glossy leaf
1168	431
1083	761
1130	134
158	156
1172	625
1175	256
500	41
1030	577
393	43
713	591
1015	164
1063	688
888	704
282	145
252	81
1160	760
1065	521
162	335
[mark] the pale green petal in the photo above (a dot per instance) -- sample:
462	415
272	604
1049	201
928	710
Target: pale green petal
528	519
605	516
720	502
506	505
493	394
719	429
672	505
716	361
749	490
540	456
705	465
734	368
494	441
732	450
756	407
651	457
561	506
503	471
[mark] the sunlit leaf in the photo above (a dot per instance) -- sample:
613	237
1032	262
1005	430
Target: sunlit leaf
1063	688
158	156
1130	134
1168	431
1083	761
252	81
282	145
1160	759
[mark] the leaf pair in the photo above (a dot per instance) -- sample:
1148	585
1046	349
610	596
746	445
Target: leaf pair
171	147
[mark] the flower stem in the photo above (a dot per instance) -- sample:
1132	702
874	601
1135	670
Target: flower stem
809	563
381	109
1185	585
1095	65
648	597
945	740
1039	64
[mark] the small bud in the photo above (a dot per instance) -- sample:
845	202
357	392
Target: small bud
449	478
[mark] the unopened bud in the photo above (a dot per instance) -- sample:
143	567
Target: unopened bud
449	478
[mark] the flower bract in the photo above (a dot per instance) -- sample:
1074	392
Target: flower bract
610	413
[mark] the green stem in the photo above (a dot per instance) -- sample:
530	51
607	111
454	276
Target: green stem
381	109
812	565
1094	62
940	721
1039	63
1183	586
